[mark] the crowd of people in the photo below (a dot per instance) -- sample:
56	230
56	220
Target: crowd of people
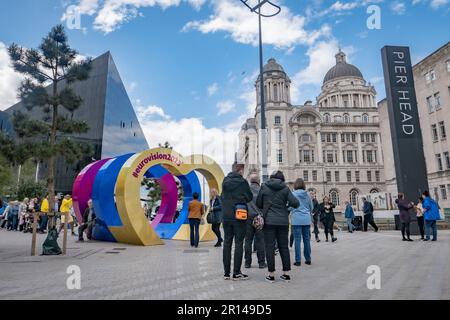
19	216
259	218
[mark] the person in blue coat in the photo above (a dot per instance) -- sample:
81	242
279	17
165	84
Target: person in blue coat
349	216
431	215
301	219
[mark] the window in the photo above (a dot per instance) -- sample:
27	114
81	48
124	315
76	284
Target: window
448	65
306	138
377	176
437	100
365	118
354	197
277	120
430	104
439	162
275	92
443	192
279	136
369	176
280	156
337	176
370	156
306	175
307	156
349	176
357	176
442	130
350	158
447	159
346	118
330	156
314	175
432	75
327	118
328	175
334	197
427	77
434	133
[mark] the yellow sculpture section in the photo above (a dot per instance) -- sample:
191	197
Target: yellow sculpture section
136	229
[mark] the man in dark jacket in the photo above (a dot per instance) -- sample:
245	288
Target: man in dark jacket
252	233
368	215
316	215
88	222
235	191
275	199
404	206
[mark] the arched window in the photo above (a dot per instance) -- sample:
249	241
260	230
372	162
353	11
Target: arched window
354	197
374	190
327	118
365	118
275	92
334	197
346	118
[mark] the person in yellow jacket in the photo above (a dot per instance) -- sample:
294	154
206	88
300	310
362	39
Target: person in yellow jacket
43	217
66	206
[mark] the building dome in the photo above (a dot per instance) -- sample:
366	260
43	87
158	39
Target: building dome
342	69
273	65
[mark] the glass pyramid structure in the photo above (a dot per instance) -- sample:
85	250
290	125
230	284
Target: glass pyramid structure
114	128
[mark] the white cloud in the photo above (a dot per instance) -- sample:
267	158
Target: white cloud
399	8
225	107
285	31
150	112
308	81
111	14
212	89
190	136
9	80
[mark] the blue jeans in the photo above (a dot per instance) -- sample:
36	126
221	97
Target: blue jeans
305	233
43	223
350	224
14	222
195	237
430	225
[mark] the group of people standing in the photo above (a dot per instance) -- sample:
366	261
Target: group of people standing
19	216
427	212
259	218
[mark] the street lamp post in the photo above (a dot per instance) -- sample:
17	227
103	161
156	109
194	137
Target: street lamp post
263	130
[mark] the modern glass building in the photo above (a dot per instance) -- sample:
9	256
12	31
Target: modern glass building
113	125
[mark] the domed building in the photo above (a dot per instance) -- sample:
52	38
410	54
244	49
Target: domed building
334	144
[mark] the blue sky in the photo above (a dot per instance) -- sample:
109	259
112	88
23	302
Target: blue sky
191	64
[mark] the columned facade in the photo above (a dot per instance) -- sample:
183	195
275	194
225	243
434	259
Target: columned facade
334	144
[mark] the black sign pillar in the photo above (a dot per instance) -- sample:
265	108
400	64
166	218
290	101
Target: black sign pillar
410	166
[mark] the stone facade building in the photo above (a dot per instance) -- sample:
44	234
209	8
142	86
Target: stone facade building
432	81
334	144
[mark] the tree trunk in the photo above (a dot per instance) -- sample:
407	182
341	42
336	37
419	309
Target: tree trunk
51	159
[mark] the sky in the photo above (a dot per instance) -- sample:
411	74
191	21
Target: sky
190	66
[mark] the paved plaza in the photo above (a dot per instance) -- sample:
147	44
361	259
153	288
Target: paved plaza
416	270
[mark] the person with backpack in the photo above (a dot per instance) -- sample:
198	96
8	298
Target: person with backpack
254	233
275	199
236	194
301	223
326	209
368	215
431	215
